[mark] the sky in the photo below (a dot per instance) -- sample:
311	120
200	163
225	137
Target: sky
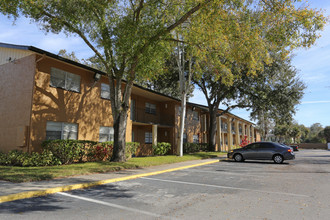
313	64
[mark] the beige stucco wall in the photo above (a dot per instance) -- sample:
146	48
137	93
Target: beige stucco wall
16	84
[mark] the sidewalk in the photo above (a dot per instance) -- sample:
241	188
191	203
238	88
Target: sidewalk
25	190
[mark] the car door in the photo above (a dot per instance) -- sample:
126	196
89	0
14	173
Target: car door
250	151
265	151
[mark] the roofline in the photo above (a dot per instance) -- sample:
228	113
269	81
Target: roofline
57	57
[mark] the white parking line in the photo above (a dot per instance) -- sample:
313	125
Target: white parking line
219	172
113	205
262	175
225	187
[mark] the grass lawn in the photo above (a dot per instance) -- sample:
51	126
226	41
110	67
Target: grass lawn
27	174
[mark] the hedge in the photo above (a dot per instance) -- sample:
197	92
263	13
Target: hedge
194	147
57	152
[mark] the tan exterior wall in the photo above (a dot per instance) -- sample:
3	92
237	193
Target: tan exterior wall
16	84
85	108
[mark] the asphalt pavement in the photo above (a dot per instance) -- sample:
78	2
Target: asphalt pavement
297	189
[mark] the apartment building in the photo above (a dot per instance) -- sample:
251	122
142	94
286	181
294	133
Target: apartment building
44	96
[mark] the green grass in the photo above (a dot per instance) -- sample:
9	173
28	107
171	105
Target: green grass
28	174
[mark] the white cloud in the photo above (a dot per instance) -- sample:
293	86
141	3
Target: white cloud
314	102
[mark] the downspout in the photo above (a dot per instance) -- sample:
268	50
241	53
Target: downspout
33	91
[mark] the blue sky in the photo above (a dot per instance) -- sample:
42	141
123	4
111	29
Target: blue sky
313	64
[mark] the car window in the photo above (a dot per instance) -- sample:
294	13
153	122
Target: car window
266	146
254	146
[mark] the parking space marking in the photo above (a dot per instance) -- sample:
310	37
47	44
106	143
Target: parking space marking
226	187
262	175
219	172
112	205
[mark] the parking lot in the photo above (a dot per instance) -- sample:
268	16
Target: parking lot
297	189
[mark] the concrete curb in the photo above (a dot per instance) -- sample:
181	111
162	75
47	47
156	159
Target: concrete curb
38	193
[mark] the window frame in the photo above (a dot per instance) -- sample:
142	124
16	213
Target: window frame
104	85
196	141
195	115
150	108
62	125
66	75
148	137
110	134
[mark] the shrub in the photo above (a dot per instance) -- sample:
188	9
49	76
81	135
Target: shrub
68	151
194	147
131	148
19	158
161	148
100	151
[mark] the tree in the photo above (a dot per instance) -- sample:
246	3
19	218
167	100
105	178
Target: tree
168	82
129	38
326	133
295	132
239	71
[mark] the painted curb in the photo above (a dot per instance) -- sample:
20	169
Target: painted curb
38	193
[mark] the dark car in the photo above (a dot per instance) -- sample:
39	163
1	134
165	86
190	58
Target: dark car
294	147
262	151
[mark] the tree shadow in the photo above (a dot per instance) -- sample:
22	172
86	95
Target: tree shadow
57	202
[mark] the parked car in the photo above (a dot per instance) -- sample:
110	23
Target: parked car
294	147
262	151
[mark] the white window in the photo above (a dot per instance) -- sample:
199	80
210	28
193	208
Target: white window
148	138
224	126
196	138
105	91
61	130
106	134
150	108
65	80
195	115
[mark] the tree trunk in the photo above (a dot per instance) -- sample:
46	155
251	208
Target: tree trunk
212	128
120	123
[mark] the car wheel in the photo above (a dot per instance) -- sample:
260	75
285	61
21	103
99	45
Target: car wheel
278	159
238	157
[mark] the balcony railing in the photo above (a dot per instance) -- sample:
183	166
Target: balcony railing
154	117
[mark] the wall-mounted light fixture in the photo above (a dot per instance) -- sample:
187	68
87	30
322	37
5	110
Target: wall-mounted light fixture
97	76
193	108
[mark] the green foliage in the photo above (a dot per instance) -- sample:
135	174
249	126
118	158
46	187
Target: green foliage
326	133
161	148
194	147
68	151
131	148
24	159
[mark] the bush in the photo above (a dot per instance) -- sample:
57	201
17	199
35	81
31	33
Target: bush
57	152
19	158
100	151
194	147
131	148
161	148
68	151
